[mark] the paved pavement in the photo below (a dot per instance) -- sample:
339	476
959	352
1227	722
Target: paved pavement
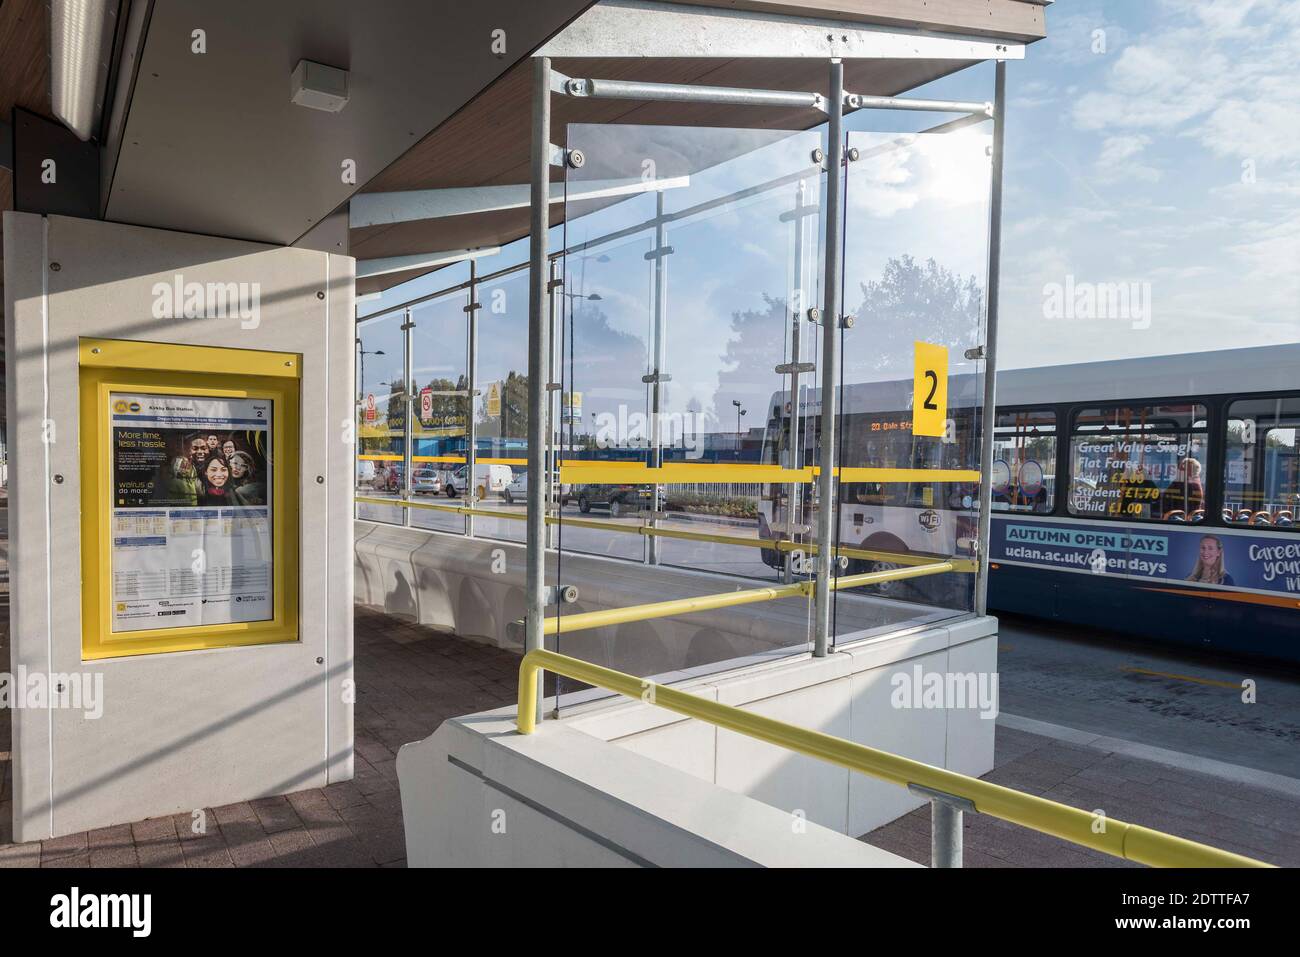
1167	698
409	679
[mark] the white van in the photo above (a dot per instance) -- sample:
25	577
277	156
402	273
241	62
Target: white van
488	479
365	473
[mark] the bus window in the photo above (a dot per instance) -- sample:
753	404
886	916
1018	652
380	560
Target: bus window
1024	461
1262	466
1141	463
886	441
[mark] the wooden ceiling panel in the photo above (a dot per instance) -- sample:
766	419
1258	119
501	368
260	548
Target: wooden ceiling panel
24	57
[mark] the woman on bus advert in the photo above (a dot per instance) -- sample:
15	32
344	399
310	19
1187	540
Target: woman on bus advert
1209	568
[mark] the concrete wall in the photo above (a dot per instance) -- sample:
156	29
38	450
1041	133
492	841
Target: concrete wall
192	729
851	694
618	783
477	795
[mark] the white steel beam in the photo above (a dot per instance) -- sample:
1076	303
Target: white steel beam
381	209
390	264
647	28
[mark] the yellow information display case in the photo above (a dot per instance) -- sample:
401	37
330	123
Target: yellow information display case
189	497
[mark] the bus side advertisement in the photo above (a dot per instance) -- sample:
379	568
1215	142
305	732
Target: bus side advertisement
1224	558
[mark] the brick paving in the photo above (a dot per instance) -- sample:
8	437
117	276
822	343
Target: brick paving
411	678
1253	821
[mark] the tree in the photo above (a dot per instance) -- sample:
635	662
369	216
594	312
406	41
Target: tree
911	301
758	344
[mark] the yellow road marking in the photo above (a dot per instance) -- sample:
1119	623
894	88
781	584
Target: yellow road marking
1235	686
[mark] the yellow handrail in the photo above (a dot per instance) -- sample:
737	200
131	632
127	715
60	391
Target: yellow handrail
1110	836
964	565
681	606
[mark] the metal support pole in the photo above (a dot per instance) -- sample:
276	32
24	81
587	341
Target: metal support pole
538	360
471	426
408	389
945	834
987	417
830	362
794	490
554	398
946	812
689	93
660	253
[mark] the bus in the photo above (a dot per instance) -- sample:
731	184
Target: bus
1158	497
882	524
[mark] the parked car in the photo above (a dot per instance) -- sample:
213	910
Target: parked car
388	477
487	479
517	490
365	473
620	499
426	481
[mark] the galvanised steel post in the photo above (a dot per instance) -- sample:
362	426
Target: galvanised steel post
659	253
408	389
945	834
471	428
794	490
830	361
554	398
539	362
987	417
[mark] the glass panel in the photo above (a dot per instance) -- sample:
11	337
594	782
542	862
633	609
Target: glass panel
692	255
915	269
1139	463
1261	481
501	406
439	429
381	415
1024	461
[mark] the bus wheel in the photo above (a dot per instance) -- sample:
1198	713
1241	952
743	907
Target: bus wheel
889	589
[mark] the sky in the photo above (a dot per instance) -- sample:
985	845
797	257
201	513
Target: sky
1155	142
1152	152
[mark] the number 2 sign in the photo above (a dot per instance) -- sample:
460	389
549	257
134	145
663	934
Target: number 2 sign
930	390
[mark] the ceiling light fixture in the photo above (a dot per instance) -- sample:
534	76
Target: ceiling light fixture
81	48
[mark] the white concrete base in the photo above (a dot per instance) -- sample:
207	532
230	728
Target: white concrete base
618	782
477	795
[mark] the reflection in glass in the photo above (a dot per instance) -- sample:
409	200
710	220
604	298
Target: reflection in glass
381	414
501	405
916	253
439	424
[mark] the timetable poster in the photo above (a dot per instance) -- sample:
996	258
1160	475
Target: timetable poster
191	513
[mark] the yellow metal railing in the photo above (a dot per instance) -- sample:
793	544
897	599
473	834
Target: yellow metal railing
681	606
963	565
1131	842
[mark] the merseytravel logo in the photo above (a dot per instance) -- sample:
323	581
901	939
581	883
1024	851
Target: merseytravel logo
121	406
